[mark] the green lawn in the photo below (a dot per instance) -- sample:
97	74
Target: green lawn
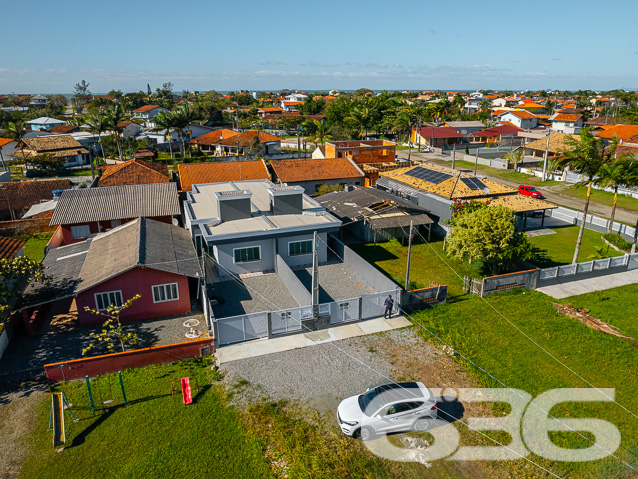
599	196
34	247
472	327
557	249
155	436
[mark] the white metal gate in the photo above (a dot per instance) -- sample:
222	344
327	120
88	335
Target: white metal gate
245	327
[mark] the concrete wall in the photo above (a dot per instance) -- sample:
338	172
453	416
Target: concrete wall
310	187
224	256
592	222
503	282
108	363
419	298
306	259
296	287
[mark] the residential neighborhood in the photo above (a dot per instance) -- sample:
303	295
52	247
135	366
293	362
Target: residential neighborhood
250	264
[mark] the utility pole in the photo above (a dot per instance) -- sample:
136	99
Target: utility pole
453	155
298	146
315	279
410	143
407	269
546	156
476	161
419	128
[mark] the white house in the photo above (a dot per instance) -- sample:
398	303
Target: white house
566	123
38	101
147	113
521	118
130	129
296	97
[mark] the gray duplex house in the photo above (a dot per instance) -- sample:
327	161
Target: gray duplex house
244	225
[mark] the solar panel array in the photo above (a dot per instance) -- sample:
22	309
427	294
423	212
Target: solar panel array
473	183
426	174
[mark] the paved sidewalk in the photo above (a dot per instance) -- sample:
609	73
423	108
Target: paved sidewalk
260	347
583	286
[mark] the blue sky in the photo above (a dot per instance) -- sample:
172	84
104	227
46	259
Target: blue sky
275	44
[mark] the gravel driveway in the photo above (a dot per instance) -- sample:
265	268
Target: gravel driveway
324	374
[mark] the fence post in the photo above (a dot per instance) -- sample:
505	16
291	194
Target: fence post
360	308
269	324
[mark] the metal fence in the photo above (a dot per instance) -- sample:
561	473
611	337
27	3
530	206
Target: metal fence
628	261
289	320
373	305
245	327
344	311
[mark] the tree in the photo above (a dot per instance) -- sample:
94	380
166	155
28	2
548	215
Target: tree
488	234
16	131
514	157
361	118
165	121
621	171
402	124
97	125
184	116
586	157
81	94
14	272
45	161
113	117
325	189
112	328
321	133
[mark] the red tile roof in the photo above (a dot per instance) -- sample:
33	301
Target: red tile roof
221	171
146	108
566	117
624	132
19	195
510	129
292	171
213	137
5	141
245	139
271	109
134	172
522	114
9	247
439	132
64	129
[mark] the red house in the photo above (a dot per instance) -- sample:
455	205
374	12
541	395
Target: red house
156	260
83	213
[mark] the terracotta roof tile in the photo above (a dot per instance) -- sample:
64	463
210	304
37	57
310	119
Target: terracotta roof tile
271	109
64	129
624	132
9	247
245	139
291	171
221	171
19	195
146	108
5	141
522	114
213	137
566	117
439	132
134	172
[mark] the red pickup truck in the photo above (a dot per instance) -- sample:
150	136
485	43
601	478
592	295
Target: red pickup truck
529	191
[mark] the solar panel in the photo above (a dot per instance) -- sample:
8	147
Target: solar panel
473	183
426	174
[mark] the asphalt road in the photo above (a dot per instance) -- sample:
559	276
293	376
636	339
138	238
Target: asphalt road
603	211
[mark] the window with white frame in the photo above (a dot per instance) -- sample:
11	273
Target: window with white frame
80	231
244	255
165	292
104	300
296	248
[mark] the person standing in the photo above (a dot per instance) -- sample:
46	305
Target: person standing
389	305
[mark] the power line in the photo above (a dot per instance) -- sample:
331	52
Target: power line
332	343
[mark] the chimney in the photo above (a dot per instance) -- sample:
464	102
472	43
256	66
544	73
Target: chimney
286	200
234	205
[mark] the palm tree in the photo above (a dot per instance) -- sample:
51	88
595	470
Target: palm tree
183	118
402	123
361	118
321	132
515	157
586	157
97	125
622	171
114	116
165	121
16	131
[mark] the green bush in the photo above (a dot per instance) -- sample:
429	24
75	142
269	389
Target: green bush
618	241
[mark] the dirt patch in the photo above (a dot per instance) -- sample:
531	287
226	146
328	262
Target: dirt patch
582	315
19	412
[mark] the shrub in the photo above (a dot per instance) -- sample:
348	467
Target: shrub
618	241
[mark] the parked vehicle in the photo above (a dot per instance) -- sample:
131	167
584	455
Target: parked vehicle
395	407
528	190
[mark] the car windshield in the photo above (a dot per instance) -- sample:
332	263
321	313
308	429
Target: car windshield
365	400
531	188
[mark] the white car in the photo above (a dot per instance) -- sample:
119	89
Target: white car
390	408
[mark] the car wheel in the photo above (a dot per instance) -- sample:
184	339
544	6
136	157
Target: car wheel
365	434
421	425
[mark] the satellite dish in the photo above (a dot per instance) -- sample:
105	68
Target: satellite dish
486	190
175	222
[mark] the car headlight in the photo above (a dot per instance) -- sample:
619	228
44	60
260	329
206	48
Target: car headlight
351	423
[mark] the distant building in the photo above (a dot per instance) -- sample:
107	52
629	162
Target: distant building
44	123
311	174
147	113
364	151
